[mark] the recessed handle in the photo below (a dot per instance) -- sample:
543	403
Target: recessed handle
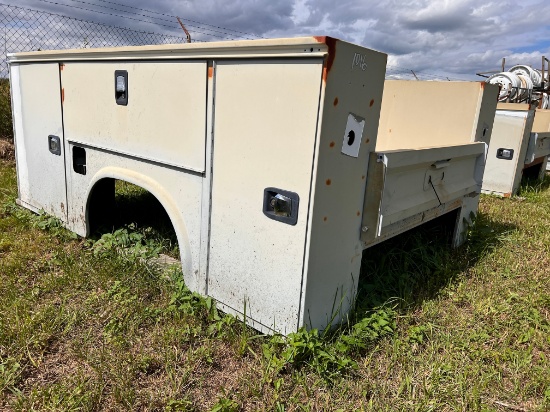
506	154
54	144
281	205
121	87
79	160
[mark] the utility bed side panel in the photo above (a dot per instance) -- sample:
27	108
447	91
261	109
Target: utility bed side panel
540	146
486	116
178	191
163	119
36	97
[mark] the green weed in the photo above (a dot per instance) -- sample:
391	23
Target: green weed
129	242
6	127
330	355
225	405
10	373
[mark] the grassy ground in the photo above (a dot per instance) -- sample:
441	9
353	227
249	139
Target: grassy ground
86	327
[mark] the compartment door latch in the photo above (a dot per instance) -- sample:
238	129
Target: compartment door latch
121	87
281	205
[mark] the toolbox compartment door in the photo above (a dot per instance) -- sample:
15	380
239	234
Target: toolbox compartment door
407	187
161	117
38	125
264	140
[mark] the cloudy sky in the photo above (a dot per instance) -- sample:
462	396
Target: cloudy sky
435	38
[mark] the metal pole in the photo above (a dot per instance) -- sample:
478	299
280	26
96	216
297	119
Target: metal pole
185	30
542	81
503	62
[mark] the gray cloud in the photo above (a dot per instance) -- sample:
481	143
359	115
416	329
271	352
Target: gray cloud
439	17
452	38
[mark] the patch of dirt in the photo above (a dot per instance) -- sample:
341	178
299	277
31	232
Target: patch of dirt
7	150
228	375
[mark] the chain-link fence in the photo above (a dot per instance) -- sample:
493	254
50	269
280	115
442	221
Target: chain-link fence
24	29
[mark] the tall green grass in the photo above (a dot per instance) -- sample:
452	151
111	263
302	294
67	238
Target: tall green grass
6	127
98	325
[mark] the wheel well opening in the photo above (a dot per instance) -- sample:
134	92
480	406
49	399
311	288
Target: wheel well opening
116	204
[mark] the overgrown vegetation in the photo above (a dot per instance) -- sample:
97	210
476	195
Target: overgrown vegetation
97	325
155	234
6	128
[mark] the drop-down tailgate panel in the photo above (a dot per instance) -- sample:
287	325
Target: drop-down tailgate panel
408	187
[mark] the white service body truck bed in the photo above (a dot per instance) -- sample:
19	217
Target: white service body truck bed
259	152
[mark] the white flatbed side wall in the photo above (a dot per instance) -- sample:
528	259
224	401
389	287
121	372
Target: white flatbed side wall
425	114
539	142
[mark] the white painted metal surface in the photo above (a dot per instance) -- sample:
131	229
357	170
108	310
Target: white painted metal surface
429	158
178	191
539	147
541	126
259	152
417	114
37	115
163	121
332	260
420	180
277	150
519	141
